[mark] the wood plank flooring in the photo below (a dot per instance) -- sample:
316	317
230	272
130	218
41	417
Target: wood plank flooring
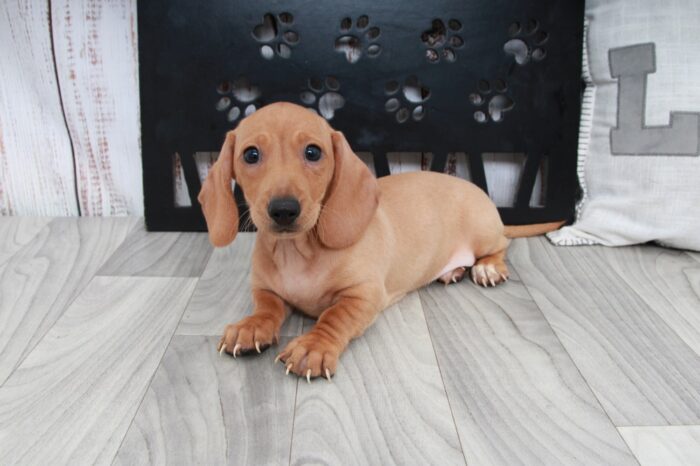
41	278
72	399
161	254
605	305
664	444
515	393
588	355
198	409
386	405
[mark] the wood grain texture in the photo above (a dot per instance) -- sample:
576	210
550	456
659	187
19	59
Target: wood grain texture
223	293
605	306
159	254
72	400
97	62
516	396
17	232
44	275
202	408
665	445
386	405
669	283
36	164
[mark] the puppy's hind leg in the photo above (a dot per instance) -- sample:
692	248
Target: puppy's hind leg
490	269
453	276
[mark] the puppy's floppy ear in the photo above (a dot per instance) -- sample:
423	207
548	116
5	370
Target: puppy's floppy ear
351	198
216	197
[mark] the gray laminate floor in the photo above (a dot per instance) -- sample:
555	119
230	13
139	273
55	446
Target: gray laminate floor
588	355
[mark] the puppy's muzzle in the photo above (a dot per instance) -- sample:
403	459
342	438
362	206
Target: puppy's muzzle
284	211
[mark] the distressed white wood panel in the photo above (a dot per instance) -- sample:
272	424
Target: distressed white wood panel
36	165
97	61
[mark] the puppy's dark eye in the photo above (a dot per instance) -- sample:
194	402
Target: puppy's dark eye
312	153
251	155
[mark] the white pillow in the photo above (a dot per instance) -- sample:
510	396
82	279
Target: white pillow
639	146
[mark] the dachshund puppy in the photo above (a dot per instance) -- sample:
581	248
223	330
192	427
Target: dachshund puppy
333	241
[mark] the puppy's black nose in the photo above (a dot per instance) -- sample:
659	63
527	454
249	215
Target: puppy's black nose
283	210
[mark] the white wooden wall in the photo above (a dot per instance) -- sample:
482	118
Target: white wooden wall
69	108
69	114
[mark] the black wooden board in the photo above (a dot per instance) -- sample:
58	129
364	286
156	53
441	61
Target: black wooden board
477	76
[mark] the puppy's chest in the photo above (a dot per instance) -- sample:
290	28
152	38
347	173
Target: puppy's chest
304	285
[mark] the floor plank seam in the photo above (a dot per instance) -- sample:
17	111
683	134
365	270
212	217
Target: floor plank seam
294	417
655	426
58	317
654	309
197	277
150	380
442	379
573	362
69	303
693	255
206	263
296	399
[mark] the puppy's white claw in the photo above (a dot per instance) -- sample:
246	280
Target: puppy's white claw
492	282
289	368
235	349
223	348
454	279
277	359
328	375
308	376
503	276
483	282
257	347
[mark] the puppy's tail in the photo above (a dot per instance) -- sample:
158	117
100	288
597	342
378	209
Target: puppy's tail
534	229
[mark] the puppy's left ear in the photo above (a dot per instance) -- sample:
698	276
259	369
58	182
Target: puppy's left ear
216	197
351	198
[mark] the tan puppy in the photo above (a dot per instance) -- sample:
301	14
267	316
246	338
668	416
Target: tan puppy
334	242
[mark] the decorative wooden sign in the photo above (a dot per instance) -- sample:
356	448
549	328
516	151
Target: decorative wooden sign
479	77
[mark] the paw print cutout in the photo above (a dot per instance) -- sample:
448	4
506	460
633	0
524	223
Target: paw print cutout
323	97
357	40
237	98
498	104
441	40
408	103
276	36
526	42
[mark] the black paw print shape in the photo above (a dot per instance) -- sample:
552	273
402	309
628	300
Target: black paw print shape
442	41
526	42
274	39
323	96
237	98
498	103
357	40
408	102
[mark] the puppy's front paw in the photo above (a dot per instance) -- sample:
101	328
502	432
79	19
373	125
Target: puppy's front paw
255	333
311	356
